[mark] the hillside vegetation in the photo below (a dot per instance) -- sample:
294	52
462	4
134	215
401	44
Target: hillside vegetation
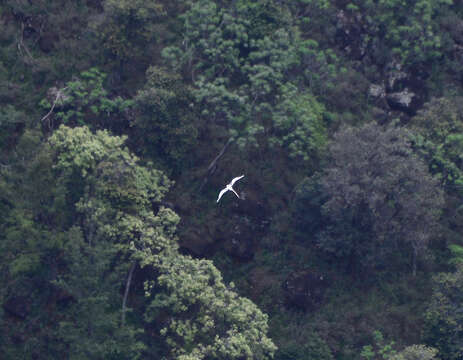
120	122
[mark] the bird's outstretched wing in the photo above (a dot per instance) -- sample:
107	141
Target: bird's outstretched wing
221	193
235	193
236	179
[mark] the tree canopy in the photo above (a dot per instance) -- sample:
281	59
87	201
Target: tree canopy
380	197
120	121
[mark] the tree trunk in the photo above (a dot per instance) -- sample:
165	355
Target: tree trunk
126	293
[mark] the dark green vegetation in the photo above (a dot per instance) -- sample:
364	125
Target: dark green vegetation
120	121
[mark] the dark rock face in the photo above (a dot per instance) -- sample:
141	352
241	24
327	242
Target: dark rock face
405	101
402	89
396	92
304	289
377	94
18	306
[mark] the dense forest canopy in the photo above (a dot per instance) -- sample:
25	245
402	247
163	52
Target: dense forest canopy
120	122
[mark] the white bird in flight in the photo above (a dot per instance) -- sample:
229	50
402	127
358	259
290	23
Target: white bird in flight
230	187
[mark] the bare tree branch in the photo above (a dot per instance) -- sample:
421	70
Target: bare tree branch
126	293
21	45
58	97
213	165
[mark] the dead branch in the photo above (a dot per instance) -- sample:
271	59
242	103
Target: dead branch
21	45
213	165
126	293
58	97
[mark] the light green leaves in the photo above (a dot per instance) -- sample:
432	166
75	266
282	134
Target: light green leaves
242	59
85	101
299	124
197	314
207	318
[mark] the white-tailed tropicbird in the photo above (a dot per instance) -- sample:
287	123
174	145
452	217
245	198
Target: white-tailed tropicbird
230	187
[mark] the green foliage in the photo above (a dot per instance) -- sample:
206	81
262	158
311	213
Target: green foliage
128	27
165	122
380	349
118	192
416	352
213	53
320	67
23	232
373	195
299	125
457	254
11	120
242	73
43	43
127	186
387	351
313	349
85	101
30	217
112	197
443	318
90	327
408	29
439	126
33	216
80	212
207	319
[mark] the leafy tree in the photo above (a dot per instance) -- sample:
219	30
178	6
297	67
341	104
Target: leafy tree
409	30
437	137
11	120
320	67
241	72
204	317
30	247
90	326
438	128
112	196
207	319
68	245
29	216
214	50
129	27
299	125
443	317
380	197
387	351
416	352
85	101
380	350
165	123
